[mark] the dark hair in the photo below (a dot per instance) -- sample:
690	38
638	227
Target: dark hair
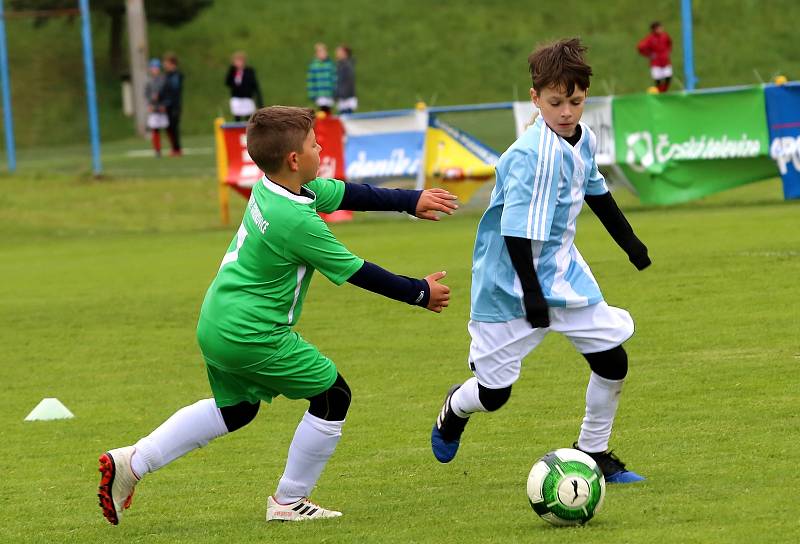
561	64
346	48
171	57
654	25
274	132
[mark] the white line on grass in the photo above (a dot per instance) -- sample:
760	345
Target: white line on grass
185	150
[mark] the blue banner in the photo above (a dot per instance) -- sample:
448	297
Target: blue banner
384	147
783	117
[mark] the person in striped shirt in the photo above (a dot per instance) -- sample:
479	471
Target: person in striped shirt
321	79
528	278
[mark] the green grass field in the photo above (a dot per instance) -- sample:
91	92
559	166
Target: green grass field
100	286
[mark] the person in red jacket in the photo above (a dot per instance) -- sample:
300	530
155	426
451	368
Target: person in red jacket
657	47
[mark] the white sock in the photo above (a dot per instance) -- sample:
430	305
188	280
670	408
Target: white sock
602	398
313	444
466	400
189	428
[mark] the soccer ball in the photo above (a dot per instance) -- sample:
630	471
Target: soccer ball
566	487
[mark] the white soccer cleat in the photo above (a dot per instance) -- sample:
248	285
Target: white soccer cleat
297	511
117	482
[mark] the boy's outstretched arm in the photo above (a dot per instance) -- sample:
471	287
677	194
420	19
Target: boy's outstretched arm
521	253
423	204
427	292
605	208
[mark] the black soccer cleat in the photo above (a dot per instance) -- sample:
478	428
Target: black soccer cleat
612	467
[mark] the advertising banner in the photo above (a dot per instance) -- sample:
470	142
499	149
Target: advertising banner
596	113
456	161
677	147
783	116
330	136
384	146
242	172
523	115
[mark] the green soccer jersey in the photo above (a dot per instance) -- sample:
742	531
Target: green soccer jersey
260	286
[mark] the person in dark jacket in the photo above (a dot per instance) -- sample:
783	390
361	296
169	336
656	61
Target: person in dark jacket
172	99
245	93
346	101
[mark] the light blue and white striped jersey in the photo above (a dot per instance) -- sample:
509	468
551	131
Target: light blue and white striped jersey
541	182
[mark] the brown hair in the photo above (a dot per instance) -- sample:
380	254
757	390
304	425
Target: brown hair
347	50
274	132
561	64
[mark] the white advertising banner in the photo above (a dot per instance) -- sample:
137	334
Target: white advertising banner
384	146
596	114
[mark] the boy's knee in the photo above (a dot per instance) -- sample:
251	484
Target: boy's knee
611	364
239	415
332	404
493	399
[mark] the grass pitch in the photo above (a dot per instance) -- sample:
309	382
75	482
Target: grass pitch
100	286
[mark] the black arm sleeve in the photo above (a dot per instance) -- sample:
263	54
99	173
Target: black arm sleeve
361	198
521	254
605	208
379	280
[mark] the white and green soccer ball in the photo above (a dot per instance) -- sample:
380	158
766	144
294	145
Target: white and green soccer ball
566	487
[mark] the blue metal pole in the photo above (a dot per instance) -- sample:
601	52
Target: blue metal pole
91	94
688	45
8	118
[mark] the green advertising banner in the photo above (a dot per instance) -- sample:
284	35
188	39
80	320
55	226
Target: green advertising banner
678	147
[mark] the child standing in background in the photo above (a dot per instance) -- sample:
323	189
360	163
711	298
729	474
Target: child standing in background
321	79
657	46
346	101
172	98
243	83
156	116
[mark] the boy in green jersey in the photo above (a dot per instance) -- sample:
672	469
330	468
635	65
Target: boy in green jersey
245	329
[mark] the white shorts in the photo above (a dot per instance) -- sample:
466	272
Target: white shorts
157	120
324	101
243	106
347	104
660	72
497	349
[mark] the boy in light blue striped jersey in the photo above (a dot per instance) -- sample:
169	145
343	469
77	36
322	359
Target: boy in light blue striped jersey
528	278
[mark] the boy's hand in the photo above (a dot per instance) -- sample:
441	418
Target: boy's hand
435	200
637	254
440	293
